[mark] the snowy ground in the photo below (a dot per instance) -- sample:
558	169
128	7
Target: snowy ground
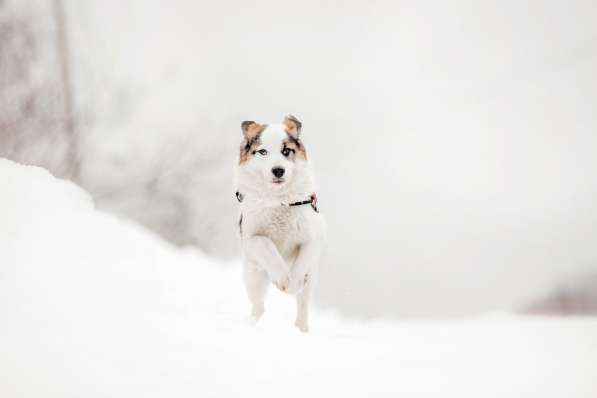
92	306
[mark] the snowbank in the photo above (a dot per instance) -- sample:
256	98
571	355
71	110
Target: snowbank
94	306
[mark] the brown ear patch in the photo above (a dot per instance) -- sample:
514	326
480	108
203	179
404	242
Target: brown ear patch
252	132
293	126
251	129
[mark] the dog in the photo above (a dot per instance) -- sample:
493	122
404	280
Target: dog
281	230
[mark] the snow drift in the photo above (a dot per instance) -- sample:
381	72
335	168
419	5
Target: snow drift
94	306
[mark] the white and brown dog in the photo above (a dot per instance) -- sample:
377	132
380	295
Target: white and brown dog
281	229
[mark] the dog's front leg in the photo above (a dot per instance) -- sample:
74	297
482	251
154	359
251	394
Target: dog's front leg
262	251
304	276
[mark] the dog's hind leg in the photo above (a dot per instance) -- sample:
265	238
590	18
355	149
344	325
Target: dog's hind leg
256	283
303	300
303	278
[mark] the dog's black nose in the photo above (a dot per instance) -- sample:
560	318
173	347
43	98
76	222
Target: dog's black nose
278	171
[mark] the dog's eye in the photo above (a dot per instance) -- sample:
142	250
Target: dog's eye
262	152
287	151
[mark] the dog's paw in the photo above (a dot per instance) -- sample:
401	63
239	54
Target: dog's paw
282	283
302	325
257	311
297	283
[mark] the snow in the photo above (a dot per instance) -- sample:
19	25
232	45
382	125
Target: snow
95	306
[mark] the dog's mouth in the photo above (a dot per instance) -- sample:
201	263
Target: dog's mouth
278	181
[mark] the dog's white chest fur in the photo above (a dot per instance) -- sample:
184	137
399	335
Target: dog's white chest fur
286	227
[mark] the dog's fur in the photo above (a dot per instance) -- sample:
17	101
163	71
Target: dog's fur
280	244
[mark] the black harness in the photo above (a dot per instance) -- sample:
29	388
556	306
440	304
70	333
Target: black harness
311	201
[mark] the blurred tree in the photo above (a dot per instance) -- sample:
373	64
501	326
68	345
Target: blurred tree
36	118
157	171
575	296
72	157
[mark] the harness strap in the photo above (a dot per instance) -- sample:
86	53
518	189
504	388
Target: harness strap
312	201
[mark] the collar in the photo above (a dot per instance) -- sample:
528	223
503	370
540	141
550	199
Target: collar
311	201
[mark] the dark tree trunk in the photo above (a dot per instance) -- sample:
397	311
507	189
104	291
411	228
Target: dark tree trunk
72	157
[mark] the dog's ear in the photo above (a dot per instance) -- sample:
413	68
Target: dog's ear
293	126
251	129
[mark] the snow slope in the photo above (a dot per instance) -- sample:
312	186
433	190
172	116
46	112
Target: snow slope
92	306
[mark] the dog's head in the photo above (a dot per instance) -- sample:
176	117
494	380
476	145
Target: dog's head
273	152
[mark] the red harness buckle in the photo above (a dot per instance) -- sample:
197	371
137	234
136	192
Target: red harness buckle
314	202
